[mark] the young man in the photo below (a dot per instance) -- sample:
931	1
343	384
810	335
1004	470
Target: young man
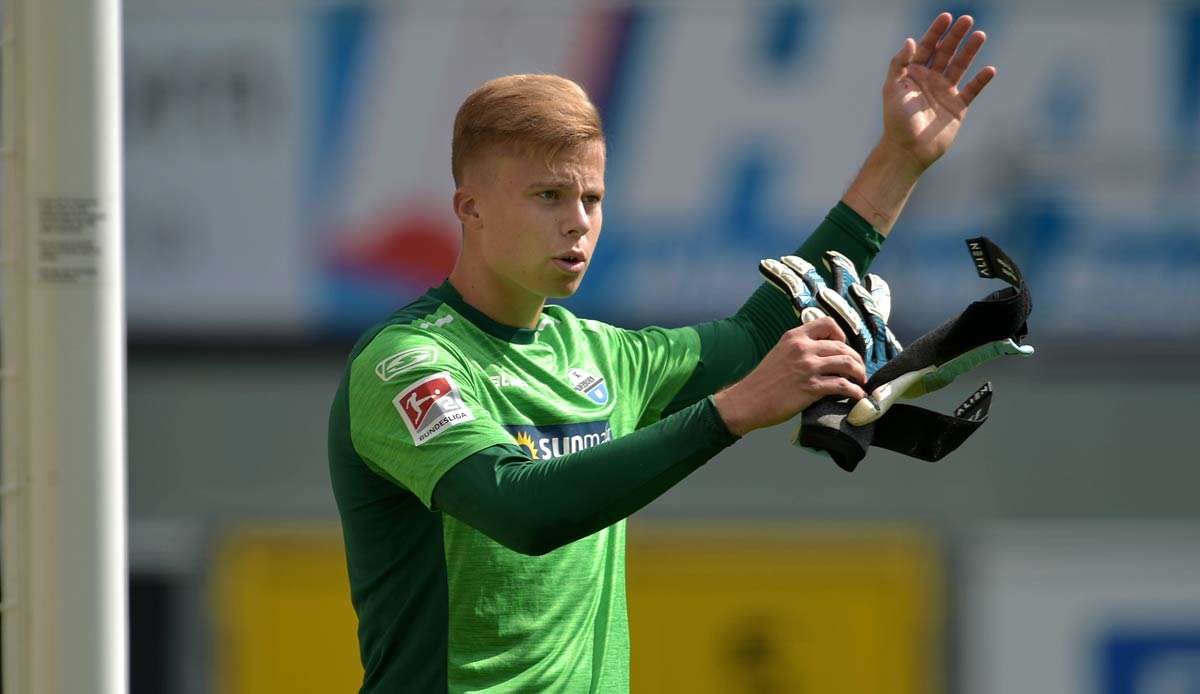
485	448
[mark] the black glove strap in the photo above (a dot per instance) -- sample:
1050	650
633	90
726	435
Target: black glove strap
929	435
1000	315
823	426
913	431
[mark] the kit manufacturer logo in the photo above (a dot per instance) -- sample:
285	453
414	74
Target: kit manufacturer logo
400	362
504	379
444	320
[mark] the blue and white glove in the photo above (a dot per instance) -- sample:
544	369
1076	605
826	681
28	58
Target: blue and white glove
987	329
812	298
873	299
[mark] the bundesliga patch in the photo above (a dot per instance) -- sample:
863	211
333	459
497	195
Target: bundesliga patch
431	406
550	441
589	384
400	362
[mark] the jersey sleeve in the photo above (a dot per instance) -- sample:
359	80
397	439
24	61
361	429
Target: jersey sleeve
731	347
654	363
416	409
535	506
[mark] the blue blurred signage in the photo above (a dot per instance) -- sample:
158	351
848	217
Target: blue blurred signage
732	129
1150	661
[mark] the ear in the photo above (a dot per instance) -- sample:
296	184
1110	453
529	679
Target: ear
466	208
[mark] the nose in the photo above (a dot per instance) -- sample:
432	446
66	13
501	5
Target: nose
580	222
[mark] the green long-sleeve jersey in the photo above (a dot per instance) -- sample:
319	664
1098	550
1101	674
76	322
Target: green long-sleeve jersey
483	474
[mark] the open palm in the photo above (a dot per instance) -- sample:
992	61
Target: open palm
923	105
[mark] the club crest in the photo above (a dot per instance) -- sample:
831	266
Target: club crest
589	384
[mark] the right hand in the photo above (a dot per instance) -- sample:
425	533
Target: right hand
923	105
808	363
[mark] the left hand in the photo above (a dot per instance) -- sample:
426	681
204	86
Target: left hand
923	105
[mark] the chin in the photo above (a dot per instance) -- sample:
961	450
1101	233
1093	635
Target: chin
563	291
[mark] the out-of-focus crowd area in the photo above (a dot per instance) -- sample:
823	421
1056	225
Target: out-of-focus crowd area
288	184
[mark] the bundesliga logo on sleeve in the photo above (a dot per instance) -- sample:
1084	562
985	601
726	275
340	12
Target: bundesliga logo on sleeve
431	406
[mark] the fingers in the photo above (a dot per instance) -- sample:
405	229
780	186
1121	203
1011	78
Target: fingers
962	61
848	367
826	353
928	42
902	59
822	329
976	85
832	385
830	348
948	45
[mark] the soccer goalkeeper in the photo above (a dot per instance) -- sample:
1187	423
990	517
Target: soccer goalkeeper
485	448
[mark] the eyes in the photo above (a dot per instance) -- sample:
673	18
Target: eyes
554	195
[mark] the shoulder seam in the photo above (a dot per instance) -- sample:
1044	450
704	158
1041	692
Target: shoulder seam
400	318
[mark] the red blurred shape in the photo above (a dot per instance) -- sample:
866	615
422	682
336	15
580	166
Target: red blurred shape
413	246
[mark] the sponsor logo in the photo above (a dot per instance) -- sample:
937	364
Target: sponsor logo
551	441
431	406
524	439
400	362
589	384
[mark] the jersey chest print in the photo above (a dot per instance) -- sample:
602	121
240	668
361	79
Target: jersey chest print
551	441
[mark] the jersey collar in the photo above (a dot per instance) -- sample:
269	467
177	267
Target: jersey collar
447	293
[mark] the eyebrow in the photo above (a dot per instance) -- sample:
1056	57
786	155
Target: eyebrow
552	183
561	183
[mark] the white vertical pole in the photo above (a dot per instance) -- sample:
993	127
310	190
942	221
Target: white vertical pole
13	502
64	392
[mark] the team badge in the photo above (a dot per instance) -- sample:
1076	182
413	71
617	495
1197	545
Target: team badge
400	362
431	406
589	384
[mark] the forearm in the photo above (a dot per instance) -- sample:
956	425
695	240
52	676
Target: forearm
731	347
534	506
881	189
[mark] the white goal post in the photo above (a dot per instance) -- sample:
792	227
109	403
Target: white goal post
63	375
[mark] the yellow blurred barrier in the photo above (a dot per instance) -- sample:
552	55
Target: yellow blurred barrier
284	620
721	609
777	610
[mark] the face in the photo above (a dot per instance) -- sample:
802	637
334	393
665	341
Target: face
535	224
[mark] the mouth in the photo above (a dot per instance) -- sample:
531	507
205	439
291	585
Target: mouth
572	262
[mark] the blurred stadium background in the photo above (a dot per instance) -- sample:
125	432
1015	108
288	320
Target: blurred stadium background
287	183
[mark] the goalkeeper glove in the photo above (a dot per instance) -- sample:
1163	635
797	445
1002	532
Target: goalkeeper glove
988	329
872	298
812	298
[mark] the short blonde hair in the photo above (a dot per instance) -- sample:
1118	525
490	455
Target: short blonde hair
536	114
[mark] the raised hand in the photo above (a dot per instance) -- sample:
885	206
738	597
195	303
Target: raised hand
923	103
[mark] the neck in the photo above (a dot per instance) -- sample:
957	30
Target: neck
495	297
